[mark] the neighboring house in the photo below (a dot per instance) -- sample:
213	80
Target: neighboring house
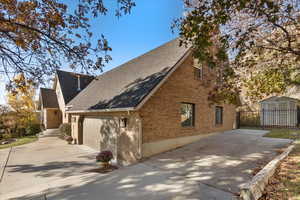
153	103
50	112
279	111
52	102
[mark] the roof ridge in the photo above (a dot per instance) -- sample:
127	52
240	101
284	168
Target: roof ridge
75	73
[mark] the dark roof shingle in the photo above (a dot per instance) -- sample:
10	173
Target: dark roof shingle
48	98
69	85
127	85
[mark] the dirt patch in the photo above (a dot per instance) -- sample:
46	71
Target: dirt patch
285	183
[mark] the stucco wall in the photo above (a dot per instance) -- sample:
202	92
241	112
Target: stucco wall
129	140
161	117
52	118
76	128
127	137
61	102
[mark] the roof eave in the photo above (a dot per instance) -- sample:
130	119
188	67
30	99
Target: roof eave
102	110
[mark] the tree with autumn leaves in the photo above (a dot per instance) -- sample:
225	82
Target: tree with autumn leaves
261	39
22	102
38	36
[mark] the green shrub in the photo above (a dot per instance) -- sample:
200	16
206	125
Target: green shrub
33	129
7	136
65	129
19	132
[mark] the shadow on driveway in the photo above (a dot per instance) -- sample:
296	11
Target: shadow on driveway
210	169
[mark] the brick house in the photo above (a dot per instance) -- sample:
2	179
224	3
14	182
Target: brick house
151	104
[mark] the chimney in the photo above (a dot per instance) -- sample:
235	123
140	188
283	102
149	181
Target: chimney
78	83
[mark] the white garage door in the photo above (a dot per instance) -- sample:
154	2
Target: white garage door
100	134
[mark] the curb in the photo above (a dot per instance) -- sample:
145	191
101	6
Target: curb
2	166
253	189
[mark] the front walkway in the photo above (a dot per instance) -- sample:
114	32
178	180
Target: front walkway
210	169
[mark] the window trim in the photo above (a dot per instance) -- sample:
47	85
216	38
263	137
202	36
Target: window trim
123	122
193	115
196	73
197	66
219	77
222	115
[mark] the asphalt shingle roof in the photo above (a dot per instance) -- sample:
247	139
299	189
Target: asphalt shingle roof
127	85
69	84
48	98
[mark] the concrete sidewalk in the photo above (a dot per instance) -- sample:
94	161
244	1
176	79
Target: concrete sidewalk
4	154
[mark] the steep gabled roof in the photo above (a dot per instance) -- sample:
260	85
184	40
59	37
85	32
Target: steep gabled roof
127	85
69	85
48	98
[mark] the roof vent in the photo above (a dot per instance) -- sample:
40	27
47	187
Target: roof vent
78	83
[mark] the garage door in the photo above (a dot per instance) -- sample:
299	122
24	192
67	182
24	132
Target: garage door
100	133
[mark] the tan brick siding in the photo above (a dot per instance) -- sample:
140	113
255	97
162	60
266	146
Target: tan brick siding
161	113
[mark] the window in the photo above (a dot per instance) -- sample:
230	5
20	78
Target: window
198	70
219	115
187	114
198	73
219	78
123	122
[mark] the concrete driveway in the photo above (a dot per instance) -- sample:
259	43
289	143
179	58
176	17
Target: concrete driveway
46	160
210	169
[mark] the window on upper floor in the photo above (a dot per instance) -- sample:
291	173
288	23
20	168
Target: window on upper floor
198	70
187	114
219	77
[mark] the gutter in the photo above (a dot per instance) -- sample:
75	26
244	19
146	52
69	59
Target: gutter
103	110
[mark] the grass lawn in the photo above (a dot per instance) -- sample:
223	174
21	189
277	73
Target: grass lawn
20	141
284	133
285	184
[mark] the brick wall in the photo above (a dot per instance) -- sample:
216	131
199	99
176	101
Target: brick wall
161	118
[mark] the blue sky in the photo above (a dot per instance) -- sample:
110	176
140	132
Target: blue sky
147	27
